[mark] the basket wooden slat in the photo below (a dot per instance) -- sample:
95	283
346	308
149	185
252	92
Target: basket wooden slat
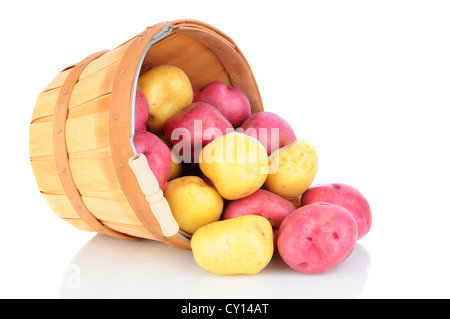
46	175
94	85
79	224
61	206
90	174
57	82
94	106
109	58
133	230
83	133
45	104
112	210
94	174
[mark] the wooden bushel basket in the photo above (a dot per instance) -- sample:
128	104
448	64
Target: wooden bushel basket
82	129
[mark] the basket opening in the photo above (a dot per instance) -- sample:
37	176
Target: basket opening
199	63
205	54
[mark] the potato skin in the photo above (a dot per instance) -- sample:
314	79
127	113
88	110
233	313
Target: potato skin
197	119
158	155
236	164
141	110
193	202
168	89
230	101
292	169
343	195
317	237
263	203
260	126
241	245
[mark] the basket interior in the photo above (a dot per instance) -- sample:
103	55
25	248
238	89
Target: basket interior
199	63
204	56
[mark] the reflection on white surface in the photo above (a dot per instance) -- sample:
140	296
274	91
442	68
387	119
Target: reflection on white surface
107	267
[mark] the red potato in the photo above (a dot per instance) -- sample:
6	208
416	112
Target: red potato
264	203
230	101
193	127
317	237
343	195
141	110
158	155
261	125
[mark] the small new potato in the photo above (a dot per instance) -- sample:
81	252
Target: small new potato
292	169
193	202
317	237
230	101
193	127
236	164
343	195
168	89
263	203
261	125
241	245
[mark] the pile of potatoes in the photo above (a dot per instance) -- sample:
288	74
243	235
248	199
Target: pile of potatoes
240	183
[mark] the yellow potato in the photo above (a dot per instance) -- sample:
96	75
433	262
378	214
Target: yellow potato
241	245
236	163
193	202
168	89
292	169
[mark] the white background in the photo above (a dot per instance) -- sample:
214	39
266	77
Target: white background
367	82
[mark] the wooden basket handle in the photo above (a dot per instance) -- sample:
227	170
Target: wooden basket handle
154	195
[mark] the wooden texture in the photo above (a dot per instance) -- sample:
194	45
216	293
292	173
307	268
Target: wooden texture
120	134
60	150
199	63
97	127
